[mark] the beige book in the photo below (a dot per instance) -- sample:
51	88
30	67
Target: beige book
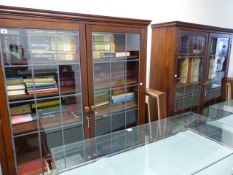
184	65
194	69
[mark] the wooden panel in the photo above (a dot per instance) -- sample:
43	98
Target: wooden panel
162	68
6	126
171	61
142	74
3	160
16	12
162	73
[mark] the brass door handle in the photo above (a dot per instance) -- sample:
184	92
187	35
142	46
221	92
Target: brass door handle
87	109
93	108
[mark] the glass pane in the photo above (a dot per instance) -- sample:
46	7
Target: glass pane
43	86
189	72
103	125
50	139
217	67
116	78
69	76
27	148
101	75
14	47
118	121
53	46
131	118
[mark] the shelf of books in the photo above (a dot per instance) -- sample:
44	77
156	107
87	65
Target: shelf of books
217	55
189	72
43	87
116	80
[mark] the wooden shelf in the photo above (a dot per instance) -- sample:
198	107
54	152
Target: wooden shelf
108	60
122	84
105	110
64	91
44	123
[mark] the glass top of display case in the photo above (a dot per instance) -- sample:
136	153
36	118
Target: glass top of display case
183	144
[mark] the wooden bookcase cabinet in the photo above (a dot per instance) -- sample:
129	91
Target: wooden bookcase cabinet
66	77
189	62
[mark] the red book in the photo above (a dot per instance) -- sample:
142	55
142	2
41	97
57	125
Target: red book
21	118
43	91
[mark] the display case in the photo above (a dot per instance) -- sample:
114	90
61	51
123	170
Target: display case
194	59
64	78
161	142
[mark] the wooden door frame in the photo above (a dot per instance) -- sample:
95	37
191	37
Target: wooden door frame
181	32
142	72
206	68
29	22
3	158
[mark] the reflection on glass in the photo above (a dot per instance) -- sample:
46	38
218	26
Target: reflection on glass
43	85
27	148
189	72
116	79
217	67
69	76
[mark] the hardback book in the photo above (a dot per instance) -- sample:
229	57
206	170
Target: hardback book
14	80
15	87
122	54
21	118
21	109
40	79
103	47
183	72
43	91
41	87
194	69
46	103
16	92
103	37
123	97
103	54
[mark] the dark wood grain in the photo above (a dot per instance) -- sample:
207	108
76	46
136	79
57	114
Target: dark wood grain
164	58
6	128
18	17
199	27
43	14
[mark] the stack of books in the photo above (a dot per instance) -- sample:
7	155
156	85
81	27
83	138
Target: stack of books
15	86
21	114
123	98
41	85
101	98
47	108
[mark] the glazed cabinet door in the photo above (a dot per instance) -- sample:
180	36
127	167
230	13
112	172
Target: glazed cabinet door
216	67
44	73
115	78
189	70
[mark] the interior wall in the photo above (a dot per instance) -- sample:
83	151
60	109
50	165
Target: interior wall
209	12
